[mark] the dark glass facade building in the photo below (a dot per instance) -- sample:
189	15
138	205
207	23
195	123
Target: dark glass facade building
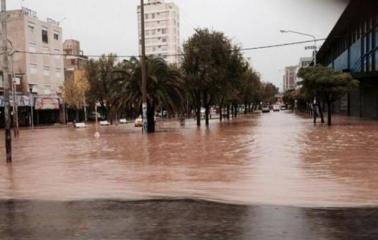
352	46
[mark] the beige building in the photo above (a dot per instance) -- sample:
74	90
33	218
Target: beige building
37	64
74	56
43	74
162	30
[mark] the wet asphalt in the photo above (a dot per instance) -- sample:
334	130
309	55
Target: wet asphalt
180	219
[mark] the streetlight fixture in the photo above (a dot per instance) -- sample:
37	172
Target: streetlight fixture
307	35
315	61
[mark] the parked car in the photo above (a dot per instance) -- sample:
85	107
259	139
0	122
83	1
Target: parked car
80	125
265	109
123	121
276	108
283	107
92	117
104	123
138	122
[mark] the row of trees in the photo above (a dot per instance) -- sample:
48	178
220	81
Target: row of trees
322	84
213	73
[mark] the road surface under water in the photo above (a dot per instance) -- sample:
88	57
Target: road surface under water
273	159
265	177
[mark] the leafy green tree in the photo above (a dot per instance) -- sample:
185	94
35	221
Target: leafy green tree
326	85
100	77
268	92
290	96
206	58
249	89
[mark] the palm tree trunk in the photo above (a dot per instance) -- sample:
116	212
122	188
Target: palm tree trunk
221	112
151	117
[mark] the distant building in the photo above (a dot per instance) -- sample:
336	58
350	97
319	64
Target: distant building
305	62
74	56
352	46
162	30
38	65
74	67
290	78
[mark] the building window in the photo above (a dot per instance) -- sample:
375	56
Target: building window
33	69
46	71
56	36
58	73
45	36
31	29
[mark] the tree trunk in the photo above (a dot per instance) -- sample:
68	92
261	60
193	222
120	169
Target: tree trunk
77	115
245	108
314	112
221	112
228	112
207	113
329	113
207	108
321	113
151	118
198	109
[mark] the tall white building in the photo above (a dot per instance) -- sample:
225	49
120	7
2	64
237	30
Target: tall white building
162	30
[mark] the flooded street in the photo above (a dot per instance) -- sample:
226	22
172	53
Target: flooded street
273	176
277	158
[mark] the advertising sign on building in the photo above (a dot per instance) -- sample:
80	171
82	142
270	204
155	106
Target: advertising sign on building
46	103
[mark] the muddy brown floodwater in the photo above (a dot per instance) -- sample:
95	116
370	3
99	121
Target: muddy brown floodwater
277	158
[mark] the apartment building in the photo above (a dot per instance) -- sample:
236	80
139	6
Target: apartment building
74	57
290	78
38	63
162	30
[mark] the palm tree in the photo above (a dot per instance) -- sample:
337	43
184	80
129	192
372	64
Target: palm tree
164	87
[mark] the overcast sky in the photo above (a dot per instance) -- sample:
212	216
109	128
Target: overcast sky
105	26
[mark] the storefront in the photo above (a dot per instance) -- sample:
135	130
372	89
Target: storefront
47	110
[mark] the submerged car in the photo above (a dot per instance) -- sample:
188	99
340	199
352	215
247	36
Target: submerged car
138	122
104	123
265	109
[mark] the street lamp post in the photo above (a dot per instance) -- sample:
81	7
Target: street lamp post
315	61
5	68
13	88
143	66
307	35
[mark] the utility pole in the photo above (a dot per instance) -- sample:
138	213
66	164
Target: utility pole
143	66
5	67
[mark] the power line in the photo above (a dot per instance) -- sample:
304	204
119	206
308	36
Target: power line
169	55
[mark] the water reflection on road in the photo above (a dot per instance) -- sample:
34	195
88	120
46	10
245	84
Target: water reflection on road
277	158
